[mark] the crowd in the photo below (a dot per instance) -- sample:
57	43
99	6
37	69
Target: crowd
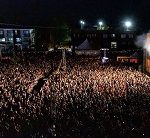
17	81
85	100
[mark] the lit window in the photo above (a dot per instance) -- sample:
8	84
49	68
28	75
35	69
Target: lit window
18	39
123	35
26	33
113	35
2	39
113	44
10	39
16	32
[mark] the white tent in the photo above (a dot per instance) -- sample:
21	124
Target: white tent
84	46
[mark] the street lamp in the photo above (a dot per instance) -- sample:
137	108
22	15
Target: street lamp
100	24
128	24
82	23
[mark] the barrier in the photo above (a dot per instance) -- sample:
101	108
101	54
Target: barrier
88	52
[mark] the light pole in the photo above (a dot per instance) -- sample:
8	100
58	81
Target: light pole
82	23
100	24
128	24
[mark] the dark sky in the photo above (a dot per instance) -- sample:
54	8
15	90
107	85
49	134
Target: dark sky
40	12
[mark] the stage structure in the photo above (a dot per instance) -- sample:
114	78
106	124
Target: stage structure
104	58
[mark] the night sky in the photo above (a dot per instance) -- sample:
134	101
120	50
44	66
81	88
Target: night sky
40	12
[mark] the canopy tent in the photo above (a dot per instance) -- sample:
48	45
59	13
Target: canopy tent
84	46
135	55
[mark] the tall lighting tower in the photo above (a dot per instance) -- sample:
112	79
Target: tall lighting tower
82	23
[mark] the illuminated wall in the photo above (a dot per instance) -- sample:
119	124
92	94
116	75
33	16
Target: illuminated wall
148	53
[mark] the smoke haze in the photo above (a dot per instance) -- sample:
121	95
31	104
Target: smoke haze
143	41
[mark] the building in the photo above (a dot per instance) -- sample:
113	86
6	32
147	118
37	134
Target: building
113	40
18	39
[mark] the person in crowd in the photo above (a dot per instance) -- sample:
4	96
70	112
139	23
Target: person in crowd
87	99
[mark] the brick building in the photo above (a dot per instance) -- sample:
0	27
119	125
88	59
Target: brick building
16	38
113	40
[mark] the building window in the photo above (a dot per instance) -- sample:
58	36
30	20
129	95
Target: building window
113	44
123	35
18	40
26	33
105	35
1	32
113	35
130	35
2	39
26	39
9	33
89	35
10	39
17	32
